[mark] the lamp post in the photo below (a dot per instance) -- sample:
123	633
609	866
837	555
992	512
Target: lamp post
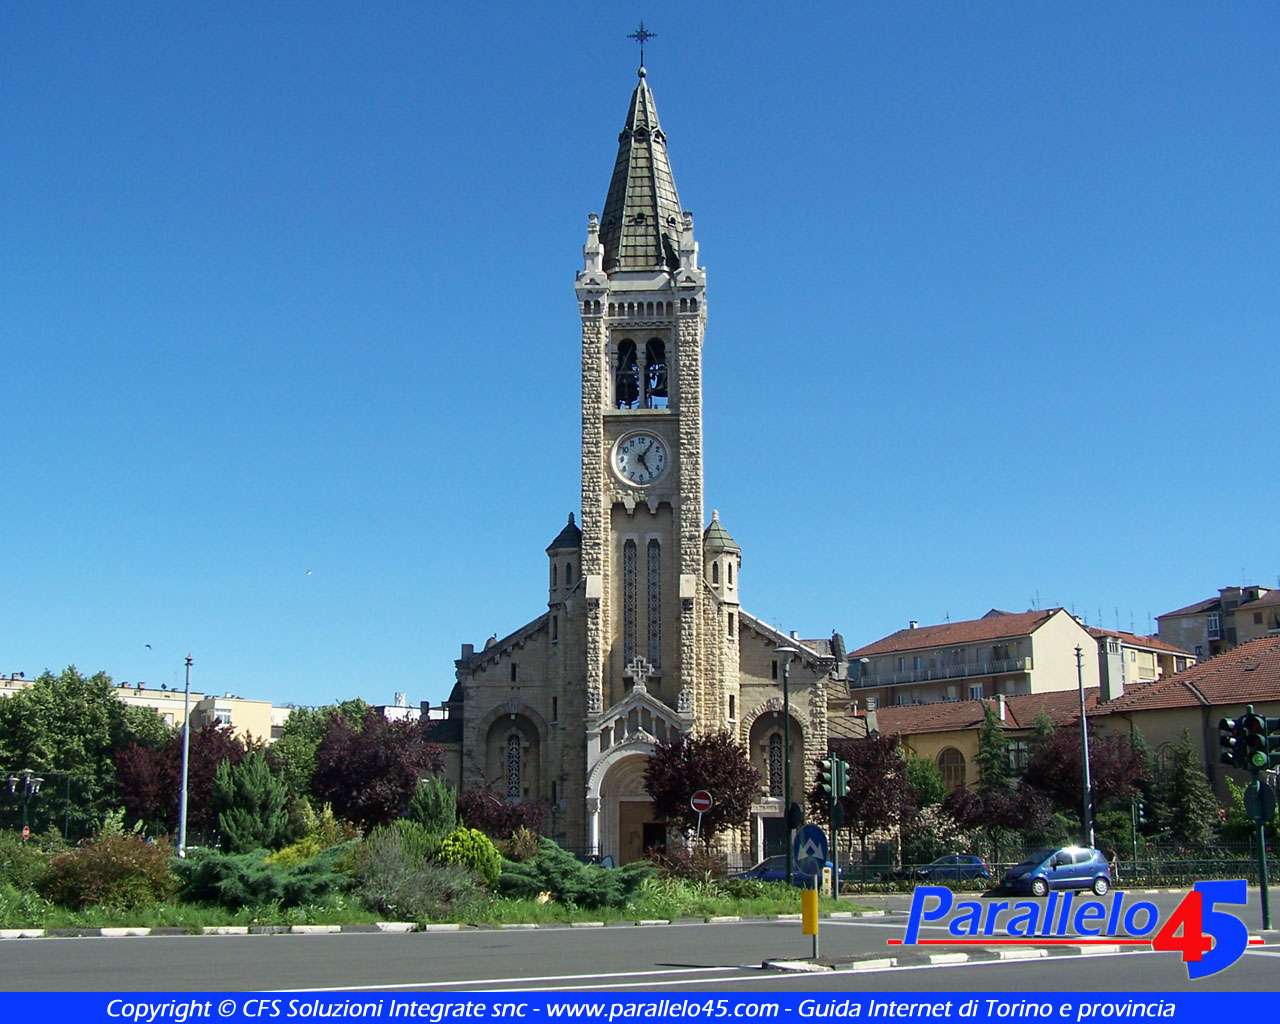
788	651
1086	819
30	787
186	753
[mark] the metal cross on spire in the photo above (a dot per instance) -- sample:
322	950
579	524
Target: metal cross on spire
642	35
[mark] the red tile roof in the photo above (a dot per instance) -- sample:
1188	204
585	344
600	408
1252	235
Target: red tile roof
1062	706
1138	640
1250	672
990	627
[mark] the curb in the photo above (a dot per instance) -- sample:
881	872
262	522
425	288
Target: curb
399	927
727	919
651	922
586	924
797	966
226	929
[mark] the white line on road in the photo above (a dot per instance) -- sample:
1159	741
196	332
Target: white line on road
508	981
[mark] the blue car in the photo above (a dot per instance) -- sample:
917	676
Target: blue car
774	869
1061	867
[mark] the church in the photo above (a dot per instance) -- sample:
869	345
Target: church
644	636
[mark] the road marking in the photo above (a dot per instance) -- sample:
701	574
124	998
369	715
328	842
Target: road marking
506	981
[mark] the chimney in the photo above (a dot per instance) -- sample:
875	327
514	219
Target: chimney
1000	709
912	623
468	650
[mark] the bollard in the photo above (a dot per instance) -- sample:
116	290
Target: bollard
809	914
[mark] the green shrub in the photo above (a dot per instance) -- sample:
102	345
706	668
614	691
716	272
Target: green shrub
121	871
21	908
321	832
472	849
22	865
394	877
522	846
571	882
434	806
248	879
252	804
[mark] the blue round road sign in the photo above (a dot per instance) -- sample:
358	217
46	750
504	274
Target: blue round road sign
810	849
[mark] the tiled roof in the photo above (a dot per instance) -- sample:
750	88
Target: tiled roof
1268	600
1194	609
989	627
1138	640
642	217
717	539
959	715
1250	672
777	636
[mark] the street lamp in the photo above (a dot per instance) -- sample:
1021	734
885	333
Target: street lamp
789	651
186	754
30	783
1086	819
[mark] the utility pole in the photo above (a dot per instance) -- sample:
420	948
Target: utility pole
186	756
788	651
1086	819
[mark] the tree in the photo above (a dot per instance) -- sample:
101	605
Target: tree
880	796
150	778
1116	770
997	813
66	727
715	762
293	755
925	777
993	754
434	806
1189	810
370	773
497	818
252	805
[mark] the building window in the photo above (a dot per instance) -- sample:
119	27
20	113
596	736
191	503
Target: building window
730	632
1165	758
1019	755
515	672
553	790
733	704
555	709
916	663
902	663
513	766
715	574
1257	618
1215	626
553	576
654	568
728	568
568	573
975	691
1133	655
776	767
773	669
1199	651
555	627
626	377
655	374
951	764
628	602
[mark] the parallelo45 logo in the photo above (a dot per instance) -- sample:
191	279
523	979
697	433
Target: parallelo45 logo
1210	940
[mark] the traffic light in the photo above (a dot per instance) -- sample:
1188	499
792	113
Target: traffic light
842	775
1139	813
1231	740
827	773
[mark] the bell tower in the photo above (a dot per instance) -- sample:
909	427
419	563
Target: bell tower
642	299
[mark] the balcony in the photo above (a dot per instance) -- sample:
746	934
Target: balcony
940	673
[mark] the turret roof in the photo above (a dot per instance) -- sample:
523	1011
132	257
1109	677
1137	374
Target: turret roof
716	538
569	537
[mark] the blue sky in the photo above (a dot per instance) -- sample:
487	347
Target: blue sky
288	287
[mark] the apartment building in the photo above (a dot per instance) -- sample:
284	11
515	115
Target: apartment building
1220	623
1129	659
1002	653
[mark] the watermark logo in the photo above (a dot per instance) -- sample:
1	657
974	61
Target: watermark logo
1210	940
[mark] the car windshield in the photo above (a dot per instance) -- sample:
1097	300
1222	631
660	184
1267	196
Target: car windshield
1039	857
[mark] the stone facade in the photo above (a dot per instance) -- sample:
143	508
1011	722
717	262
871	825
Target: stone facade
644	638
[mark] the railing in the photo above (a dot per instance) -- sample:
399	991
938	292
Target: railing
959	670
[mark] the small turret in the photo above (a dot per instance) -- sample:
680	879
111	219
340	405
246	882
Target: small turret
722	558
564	554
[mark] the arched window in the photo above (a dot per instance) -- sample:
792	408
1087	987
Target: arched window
776	767
715	574
655	374
553	576
626	376
729	570
951	764
1164	760
514	791
654	569
628	601
568	574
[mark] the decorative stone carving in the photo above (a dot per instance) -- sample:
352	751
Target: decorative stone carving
684	701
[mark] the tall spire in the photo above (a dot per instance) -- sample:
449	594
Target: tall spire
640	229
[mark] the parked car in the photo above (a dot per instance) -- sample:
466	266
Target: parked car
955	867
1061	867
774	869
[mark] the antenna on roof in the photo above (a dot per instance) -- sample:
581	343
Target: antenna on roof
1132	625
1117	610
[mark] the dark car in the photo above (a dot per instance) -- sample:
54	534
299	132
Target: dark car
955	867
1061	867
774	869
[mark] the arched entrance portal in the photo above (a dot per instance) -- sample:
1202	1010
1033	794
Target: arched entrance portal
625	827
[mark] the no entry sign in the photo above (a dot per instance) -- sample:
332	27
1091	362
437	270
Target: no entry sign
701	801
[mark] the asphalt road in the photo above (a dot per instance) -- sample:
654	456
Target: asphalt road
681	957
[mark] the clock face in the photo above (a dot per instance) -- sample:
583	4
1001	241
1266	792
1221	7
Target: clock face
640	458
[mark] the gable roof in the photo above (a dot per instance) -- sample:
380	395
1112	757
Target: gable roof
1250	672
1207	605
1063	706
994	625
1138	640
